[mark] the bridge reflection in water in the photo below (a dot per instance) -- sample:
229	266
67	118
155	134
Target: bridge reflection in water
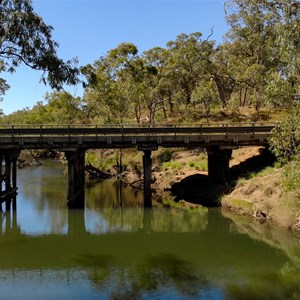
187	251
218	140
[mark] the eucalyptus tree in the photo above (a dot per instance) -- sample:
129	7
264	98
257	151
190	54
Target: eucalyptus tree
26	39
262	43
222	73
63	108
251	46
205	94
189	60
158	88
108	85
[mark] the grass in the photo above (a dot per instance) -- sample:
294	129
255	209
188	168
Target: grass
238	204
174	165
196	208
198	165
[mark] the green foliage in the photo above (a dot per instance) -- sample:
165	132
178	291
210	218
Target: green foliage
259	41
286	136
198	165
60	108
285	144
291	175
205	94
257	65
174	165
165	156
26	39
192	164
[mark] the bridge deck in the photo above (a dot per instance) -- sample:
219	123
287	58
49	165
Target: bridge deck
92	136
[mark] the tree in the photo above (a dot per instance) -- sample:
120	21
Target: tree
222	74
188	61
63	108
285	144
26	39
263	44
108	89
205	94
162	82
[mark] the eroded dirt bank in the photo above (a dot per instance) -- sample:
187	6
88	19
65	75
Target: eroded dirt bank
260	197
263	199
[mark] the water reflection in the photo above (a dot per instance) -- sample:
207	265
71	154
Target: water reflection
116	249
152	258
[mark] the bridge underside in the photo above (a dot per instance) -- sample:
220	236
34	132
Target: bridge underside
218	171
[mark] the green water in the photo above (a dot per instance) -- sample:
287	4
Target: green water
116	249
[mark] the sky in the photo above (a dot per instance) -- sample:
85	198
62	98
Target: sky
88	29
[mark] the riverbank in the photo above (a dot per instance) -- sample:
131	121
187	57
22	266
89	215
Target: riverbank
257	195
263	199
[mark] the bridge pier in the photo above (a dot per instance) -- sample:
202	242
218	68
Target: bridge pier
76	181
218	164
147	164
8	178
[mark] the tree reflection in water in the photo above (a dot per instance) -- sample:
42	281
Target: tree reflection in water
156	273
117	249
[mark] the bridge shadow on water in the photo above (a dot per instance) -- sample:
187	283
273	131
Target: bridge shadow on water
200	189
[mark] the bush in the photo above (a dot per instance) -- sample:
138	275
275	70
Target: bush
166	155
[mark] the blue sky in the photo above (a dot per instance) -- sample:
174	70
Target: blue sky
88	29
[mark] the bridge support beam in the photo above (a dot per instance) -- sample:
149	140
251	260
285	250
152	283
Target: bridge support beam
8	178
218	164
76	163
147	164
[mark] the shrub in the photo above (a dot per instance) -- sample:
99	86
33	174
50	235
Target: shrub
166	155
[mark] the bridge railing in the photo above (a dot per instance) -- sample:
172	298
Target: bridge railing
126	129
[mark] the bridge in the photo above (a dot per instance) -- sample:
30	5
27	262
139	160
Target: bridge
75	140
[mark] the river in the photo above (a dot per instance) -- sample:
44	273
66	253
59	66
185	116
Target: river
116	249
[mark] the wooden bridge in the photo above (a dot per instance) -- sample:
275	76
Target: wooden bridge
75	140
